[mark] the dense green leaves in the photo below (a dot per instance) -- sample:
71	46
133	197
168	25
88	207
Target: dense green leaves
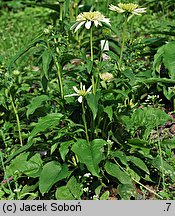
146	119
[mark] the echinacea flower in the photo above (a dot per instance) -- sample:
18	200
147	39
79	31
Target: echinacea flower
89	18
106	77
82	92
127	8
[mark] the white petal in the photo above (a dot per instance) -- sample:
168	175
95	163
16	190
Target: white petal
75	89
80	99
115	8
74	26
96	23
140	10
88	24
106	20
89	89
79	25
71	95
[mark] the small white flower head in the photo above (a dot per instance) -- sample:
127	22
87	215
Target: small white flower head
127	8
89	18
82	92
107	77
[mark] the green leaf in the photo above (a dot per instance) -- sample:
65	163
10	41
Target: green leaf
105	195
121	156
91	154
36	103
166	55
63	193
27	189
92	101
73	190
109	111
126	191
52	172
24	163
98	189
158	59
44	123
113	170
22	52
64	148
139	163
46	60
169	58
133	174
1	194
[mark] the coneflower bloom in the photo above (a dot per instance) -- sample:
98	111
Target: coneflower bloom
106	77
127	8
82	92
88	19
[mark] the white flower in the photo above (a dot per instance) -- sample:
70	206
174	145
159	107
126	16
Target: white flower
127	8
82	92
88	18
106	77
87	175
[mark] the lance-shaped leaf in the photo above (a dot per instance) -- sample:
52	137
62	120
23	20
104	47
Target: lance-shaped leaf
113	170
36	103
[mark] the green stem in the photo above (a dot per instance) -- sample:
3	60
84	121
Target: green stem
91	45
17	118
123	43
84	120
61	12
92	59
59	73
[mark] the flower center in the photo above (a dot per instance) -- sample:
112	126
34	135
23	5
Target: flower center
128	7
82	92
92	16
